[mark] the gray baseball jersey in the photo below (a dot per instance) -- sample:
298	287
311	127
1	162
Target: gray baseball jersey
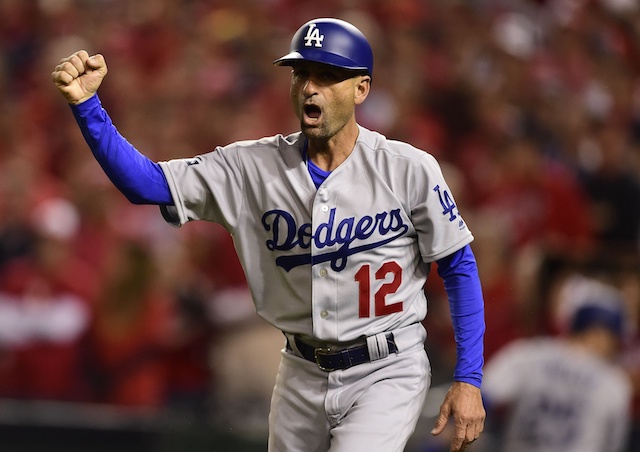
562	398
336	263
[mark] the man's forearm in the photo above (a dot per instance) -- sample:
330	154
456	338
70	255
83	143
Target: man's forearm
136	176
462	284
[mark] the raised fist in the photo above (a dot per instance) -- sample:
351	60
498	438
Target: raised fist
79	76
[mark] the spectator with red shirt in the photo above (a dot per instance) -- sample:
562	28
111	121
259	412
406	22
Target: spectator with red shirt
44	311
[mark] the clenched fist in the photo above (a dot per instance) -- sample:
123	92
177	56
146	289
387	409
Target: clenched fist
79	76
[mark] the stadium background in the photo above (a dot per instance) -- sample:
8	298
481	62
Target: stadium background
118	332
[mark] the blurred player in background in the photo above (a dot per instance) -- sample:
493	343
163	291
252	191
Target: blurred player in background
565	394
336	228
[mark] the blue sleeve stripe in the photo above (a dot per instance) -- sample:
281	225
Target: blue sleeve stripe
137	177
462	284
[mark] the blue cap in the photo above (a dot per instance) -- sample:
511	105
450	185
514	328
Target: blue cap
590	316
330	41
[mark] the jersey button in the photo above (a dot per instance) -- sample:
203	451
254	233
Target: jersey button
324	208
323	272
324	314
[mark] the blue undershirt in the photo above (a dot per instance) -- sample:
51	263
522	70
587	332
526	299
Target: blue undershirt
459	272
142	181
317	174
135	175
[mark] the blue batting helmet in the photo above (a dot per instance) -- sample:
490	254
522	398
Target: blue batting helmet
594	315
330	41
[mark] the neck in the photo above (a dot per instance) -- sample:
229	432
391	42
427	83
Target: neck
597	341
329	154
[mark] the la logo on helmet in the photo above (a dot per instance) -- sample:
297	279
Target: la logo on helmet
313	34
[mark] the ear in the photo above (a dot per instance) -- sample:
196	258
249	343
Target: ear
362	88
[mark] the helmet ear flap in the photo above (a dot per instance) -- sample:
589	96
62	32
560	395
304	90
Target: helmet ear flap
330	41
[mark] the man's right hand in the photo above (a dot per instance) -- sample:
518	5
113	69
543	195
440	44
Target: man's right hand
79	76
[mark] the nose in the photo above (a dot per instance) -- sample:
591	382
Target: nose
309	87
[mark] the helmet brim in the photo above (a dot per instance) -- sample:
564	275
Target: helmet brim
320	56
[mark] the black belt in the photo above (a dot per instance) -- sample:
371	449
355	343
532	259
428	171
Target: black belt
329	360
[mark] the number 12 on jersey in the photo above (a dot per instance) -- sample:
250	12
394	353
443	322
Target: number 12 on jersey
363	278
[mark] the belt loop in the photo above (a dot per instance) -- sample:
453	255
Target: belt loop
291	339
378	346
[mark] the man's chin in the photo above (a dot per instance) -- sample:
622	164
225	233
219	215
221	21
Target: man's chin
312	132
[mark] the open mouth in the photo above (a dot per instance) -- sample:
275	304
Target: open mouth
312	111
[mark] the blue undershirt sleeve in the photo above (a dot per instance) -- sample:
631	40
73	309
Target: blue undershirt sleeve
136	176
462	284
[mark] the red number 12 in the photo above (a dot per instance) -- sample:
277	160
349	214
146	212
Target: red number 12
363	277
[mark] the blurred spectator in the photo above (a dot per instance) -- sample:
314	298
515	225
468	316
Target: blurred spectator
541	202
565	393
190	377
543	216
126	345
44	311
614	189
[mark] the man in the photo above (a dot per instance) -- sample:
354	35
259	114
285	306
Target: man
565	394
336	228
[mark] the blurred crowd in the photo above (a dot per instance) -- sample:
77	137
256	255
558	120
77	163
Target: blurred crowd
532	108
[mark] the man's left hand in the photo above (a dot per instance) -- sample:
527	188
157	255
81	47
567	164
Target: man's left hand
464	403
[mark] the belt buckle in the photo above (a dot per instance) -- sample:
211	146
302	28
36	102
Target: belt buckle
322	351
